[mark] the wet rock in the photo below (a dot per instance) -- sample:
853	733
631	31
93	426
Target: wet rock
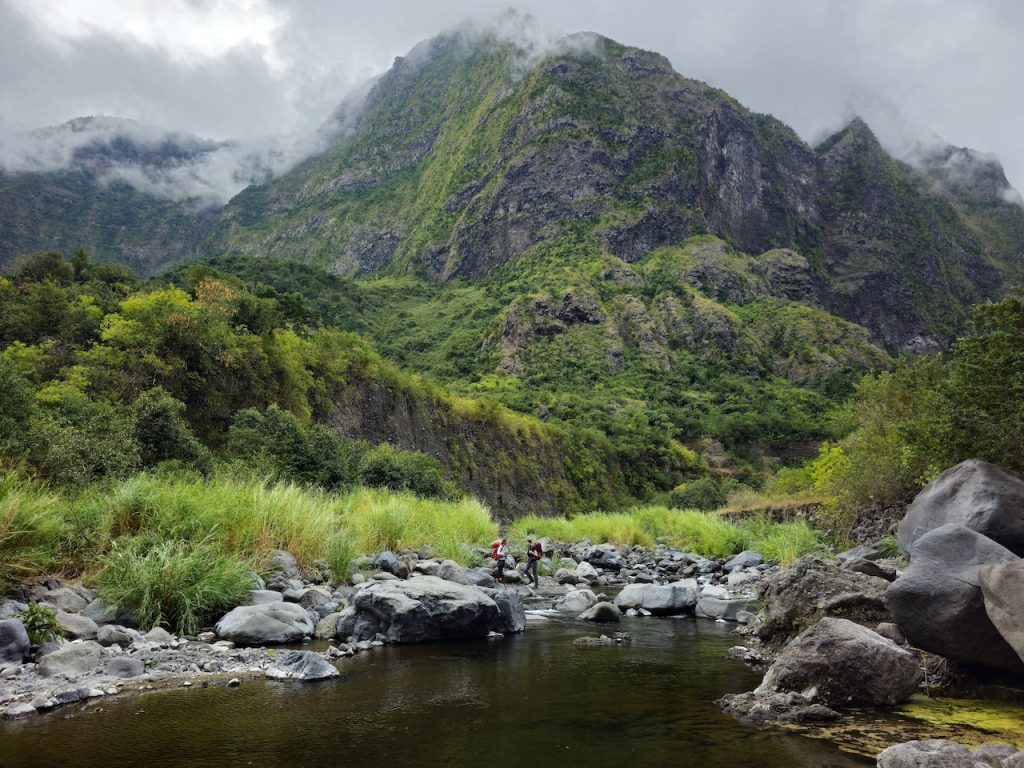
602	612
975	494
927	753
511	612
1002	587
20	709
76	626
72	659
660	599
300	665
938	602
265	624
847	665
576	601
124	667
14	642
778	707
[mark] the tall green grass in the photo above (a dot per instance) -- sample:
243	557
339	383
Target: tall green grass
31	530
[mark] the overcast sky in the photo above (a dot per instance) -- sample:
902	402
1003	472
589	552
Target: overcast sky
246	68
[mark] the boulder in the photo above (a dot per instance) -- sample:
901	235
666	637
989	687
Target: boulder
1002	588
101	611
264	596
284	564
316	600
605	557
602	612
76	626
809	589
565	576
975	494
512	613
421	609
576	601
869	567
586	571
449	570
14	642
938	603
300	665
265	624
660	599
124	666
846	665
327	628
727	608
159	636
109	634
387	562
72	659
64	599
745	559
927	753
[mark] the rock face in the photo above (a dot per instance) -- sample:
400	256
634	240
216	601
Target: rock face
1002	587
660	599
72	659
14	642
811	589
422	609
938	602
300	665
974	494
265	624
846	665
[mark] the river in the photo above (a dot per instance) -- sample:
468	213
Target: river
530	699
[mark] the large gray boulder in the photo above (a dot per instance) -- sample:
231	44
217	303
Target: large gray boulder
748	558
109	634
449	570
300	665
810	589
660	599
845	665
602	612
422	609
124	666
14	642
76	626
928	753
604	556
576	601
1002	587
283	564
714	605
938	602
64	599
264	597
265	624
511	611
72	659
975	494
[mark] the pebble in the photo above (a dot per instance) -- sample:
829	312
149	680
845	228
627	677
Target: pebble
234	682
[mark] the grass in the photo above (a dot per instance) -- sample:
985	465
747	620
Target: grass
31	530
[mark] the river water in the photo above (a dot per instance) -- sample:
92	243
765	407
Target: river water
530	699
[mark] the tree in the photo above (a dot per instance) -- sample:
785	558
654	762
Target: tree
161	431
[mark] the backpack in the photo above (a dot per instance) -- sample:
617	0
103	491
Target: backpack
494	548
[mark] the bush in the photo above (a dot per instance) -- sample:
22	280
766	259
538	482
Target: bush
31	529
704	494
176	584
385	466
161	431
40	623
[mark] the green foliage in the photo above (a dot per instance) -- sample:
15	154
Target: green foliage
40	623
16	405
31	530
703	494
177	584
388	467
161	431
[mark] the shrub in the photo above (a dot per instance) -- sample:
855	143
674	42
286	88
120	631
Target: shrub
161	431
177	584
385	466
704	494
40	623
31	529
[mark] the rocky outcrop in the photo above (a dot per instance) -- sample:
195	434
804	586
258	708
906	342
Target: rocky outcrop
975	494
938	601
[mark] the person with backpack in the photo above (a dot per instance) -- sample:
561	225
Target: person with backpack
534	552
499	551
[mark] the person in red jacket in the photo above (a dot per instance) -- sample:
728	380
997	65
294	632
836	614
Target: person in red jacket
499	551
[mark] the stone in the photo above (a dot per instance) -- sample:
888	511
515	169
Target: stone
64	599
1002	588
869	567
421	609
14	642
300	665
993	754
938	603
264	597
71	659
111	634
846	665
927	753
576	601
283	564
160	636
726	608
265	624
9	609
586	571
327	627
776	707
315	600
76	626
745	559
387	562
975	494
19	709
891	631
124	667
101	611
565	576
810	589
452	571
511	612
660	599
602	612
604	556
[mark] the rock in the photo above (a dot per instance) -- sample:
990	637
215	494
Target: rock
928	753
20	709
110	634
565	576
283	564
602	612
264	597
101	611
605	557
726	608
576	601
889	630
387	562
421	609
300	665
9	609
994	754
64	599
160	636
745	559
975	494
776	707
1002	588
327	628
316	600
938	603
846	665
124	666
869	567
810	589
265	624
452	571
586	571
511	612
71	659
14	642
76	626
659	599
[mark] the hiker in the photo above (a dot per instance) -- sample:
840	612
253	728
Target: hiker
534	552
499	551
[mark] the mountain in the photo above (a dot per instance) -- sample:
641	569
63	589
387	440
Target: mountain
468	153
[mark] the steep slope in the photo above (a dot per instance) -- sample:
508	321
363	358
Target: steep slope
469	153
